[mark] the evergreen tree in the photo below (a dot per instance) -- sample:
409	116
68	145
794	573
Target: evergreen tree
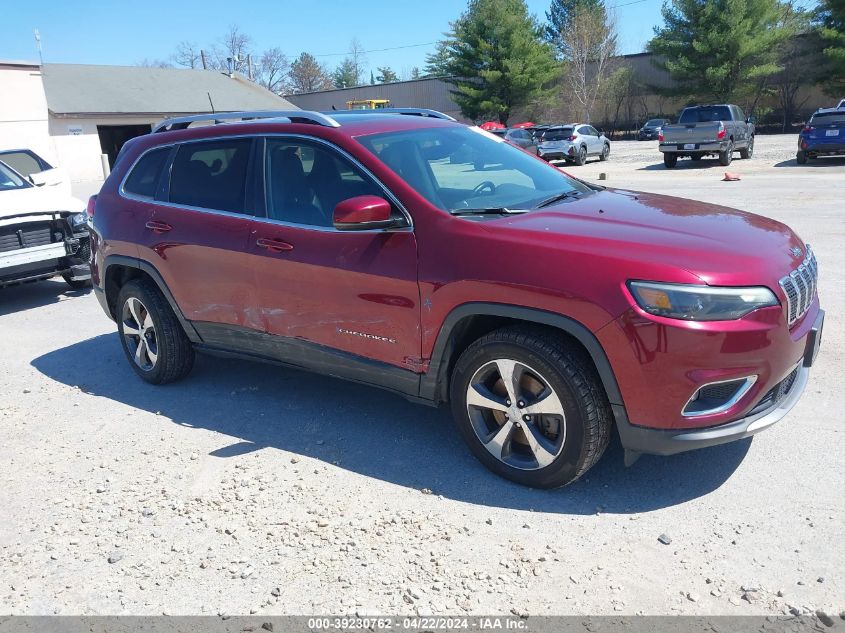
496	60
721	49
346	74
559	19
832	32
308	75
386	75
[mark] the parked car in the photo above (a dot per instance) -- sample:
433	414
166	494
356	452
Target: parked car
37	170
574	143
650	131
43	233
824	135
707	130
520	137
542	309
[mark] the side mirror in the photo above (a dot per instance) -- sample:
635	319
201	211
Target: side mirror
362	213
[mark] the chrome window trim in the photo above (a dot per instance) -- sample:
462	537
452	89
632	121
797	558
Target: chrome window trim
740	393
328	229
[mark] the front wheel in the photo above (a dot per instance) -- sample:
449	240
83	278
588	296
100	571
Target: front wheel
670	160
605	152
748	151
152	337
530	407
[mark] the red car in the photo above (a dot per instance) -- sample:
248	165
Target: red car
544	310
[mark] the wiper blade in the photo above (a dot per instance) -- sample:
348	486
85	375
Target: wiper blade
488	211
573	193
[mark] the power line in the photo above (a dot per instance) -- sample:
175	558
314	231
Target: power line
381	50
626	4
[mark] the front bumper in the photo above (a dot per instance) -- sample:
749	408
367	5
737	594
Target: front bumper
638	440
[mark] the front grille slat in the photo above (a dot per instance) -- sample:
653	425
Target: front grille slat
800	287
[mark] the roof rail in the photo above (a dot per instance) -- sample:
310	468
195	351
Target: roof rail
294	116
426	112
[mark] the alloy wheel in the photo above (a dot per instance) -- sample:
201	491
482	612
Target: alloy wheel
516	414
139	333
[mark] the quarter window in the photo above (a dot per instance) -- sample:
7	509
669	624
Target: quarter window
211	174
305	181
144	177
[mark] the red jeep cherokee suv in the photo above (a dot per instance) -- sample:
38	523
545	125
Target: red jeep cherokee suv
407	251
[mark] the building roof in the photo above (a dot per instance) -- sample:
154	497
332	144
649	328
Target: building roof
91	89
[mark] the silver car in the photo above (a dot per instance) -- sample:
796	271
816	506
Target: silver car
574	143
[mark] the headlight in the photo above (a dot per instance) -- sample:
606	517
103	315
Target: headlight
700	303
78	220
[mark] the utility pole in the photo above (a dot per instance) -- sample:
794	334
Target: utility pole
204	62
38	46
249	66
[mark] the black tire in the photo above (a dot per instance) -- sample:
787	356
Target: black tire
670	160
801	158
727	156
748	151
174	352
77	284
581	156
569	373
605	152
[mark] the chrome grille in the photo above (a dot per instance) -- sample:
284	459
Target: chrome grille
799	286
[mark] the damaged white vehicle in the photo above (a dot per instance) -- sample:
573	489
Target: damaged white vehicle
43	230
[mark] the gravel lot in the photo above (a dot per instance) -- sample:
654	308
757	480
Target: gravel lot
255	489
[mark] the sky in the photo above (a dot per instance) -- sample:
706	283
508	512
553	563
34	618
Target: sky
124	33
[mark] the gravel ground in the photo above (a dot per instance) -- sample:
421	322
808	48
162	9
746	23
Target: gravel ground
255	489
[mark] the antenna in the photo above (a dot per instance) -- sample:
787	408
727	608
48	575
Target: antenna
38	46
211	102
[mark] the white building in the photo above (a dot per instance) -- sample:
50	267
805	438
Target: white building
71	114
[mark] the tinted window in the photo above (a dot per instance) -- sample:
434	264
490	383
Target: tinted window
705	114
305	182
22	162
10	180
211	174
592	131
824	117
144	177
560	134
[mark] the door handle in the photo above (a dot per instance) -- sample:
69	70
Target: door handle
274	246
158	227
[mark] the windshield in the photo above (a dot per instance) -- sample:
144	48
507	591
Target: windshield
10	179
558	134
459	168
705	114
654	123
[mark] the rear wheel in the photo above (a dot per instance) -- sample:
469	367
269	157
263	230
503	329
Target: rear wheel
581	156
801	158
530	408
670	160
727	156
747	152
152	337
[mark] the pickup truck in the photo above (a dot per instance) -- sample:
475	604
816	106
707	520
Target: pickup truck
708	130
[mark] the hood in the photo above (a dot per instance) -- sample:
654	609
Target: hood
35	199
719	245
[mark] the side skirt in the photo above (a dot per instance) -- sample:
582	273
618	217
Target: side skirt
239	342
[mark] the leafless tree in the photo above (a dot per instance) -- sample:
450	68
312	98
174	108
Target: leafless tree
358	59
154	63
188	55
591	39
234	45
273	69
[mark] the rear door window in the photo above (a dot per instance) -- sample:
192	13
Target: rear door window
144	177
211	174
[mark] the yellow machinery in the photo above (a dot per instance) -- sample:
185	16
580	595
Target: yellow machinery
368	104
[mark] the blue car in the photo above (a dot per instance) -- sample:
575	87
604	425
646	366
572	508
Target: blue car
824	135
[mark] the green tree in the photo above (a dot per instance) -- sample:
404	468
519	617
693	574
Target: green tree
386	75
436	62
346	74
559	20
415	73
496	59
832	31
724	50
